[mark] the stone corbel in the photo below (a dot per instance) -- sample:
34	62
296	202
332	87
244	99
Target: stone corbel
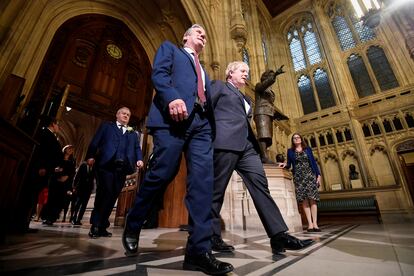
238	29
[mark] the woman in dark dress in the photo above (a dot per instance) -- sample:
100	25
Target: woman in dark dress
306	177
58	186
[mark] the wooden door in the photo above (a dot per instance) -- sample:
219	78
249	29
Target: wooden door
174	212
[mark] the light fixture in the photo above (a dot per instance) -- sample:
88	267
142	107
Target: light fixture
369	11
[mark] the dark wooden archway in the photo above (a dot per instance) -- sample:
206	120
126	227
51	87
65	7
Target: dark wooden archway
104	63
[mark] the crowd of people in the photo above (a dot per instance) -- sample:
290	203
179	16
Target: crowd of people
207	121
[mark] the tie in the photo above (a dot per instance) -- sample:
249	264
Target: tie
200	86
121	128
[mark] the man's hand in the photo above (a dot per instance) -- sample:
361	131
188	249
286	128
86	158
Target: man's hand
140	164
178	110
280	70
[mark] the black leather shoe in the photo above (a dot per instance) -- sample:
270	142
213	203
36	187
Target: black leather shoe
283	241
74	222
217	244
130	242
206	263
104	233
94	232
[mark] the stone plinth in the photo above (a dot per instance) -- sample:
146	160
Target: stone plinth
239	213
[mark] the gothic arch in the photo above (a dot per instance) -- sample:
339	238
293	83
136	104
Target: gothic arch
142	24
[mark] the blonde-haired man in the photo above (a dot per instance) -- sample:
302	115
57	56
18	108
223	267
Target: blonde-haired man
236	148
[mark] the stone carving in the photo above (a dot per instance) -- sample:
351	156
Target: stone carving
353	174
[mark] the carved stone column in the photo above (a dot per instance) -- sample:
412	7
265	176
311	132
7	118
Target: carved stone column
238	30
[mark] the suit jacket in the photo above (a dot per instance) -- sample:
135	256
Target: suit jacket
83	181
232	122
105	143
291	160
48	154
174	77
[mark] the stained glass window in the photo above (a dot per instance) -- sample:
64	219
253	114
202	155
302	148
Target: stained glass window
323	88
306	95
305	52
382	69
246	58
360	76
365	33
343	32
297	55
312	48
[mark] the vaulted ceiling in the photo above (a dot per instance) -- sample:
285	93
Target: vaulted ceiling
276	7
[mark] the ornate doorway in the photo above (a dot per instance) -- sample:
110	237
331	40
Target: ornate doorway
105	65
405	153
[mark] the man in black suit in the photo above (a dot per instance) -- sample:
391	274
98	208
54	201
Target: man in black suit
83	184
117	152
45	160
236	148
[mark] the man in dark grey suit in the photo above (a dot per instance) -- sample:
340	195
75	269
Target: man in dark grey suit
236	148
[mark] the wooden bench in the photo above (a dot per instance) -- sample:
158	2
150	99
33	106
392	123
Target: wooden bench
354	209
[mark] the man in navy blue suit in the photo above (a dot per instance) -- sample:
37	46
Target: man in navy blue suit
117	152
181	120
236	148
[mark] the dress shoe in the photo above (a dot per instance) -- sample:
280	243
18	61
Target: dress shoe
94	232
217	244
104	233
310	230
317	230
76	222
130	242
282	241
206	263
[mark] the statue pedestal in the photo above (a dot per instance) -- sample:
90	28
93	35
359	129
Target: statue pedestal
239	213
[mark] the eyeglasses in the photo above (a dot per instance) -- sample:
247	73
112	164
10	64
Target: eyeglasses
296	137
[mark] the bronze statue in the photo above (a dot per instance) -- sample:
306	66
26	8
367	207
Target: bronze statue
265	112
353	174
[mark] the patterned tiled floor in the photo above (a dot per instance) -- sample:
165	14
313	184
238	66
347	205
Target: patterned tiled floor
339	250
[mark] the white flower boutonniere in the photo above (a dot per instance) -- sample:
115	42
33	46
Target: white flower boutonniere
130	129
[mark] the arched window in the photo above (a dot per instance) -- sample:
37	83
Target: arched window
306	95
387	125
339	136
366	130
366	68
397	123
381	67
313	82
409	119
360	76
246	58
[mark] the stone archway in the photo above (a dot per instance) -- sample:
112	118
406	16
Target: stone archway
405	154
